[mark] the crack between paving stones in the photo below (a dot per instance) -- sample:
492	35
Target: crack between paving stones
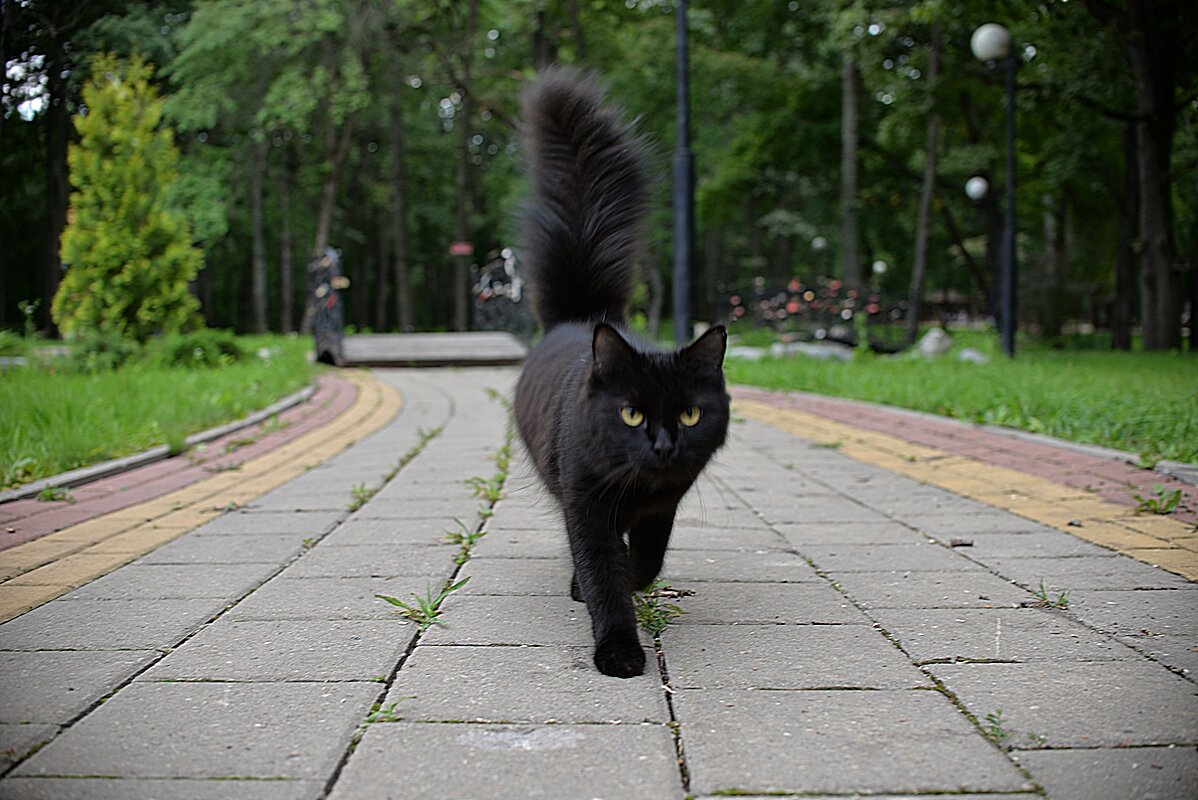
674	725
165	651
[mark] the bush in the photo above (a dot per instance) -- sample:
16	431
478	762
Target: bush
98	351
198	349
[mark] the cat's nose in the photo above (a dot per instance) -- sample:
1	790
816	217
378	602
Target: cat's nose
663	445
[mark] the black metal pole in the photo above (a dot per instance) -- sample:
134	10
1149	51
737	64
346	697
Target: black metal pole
684	196
1009	278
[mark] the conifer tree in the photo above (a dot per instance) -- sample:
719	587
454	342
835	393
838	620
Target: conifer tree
129	254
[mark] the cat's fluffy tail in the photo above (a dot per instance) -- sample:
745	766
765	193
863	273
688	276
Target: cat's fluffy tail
581	225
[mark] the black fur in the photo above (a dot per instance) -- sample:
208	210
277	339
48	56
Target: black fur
611	478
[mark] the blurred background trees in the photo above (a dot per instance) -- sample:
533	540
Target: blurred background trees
831	139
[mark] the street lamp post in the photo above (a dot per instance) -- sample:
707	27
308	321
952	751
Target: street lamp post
684	196
992	43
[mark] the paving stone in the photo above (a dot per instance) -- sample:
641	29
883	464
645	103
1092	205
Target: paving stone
16	740
329	598
835	510
764	566
836	742
337	502
954	796
175	582
1042	544
889	557
429	508
1176	652
517	576
1085	572
361	532
292	523
106	624
287	650
1080	705
1004	634
197	730
373	561
767	603
157	789
511	620
521	684
786	657
995	521
506	542
714	515
690	536
194	548
57	685
803	534
931	589
1140	613
1159	773
565	762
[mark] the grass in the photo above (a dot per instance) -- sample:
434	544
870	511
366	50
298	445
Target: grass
1140	402
651	613
1046	600
424	611
1162	500
55	421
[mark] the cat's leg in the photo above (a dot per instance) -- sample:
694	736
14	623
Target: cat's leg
601	576
647	541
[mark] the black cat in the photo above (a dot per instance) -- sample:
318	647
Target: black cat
618	429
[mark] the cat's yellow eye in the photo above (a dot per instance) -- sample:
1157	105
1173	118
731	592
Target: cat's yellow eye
631	416
690	417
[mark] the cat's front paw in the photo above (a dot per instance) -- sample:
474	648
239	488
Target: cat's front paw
620	658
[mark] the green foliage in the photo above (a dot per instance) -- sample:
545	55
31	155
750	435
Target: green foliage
96	350
197	350
651	613
130	255
1163	501
426	610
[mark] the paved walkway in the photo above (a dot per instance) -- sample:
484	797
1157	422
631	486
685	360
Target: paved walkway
851	627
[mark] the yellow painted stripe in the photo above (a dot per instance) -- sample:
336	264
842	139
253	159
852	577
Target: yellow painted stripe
1155	540
47	567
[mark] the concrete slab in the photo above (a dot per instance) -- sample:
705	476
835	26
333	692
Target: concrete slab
786	657
508	762
362	531
57	685
287	650
517	576
1160	773
106	624
836	742
804	534
471	348
930	589
373	561
300	524
767	604
194	548
511	620
1139	614
329	598
175	581
924	556
505	541
521	684
211	730
738	566
157	789
999	634
16	740
1086	572
1080	705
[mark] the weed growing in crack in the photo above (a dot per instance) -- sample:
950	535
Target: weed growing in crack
465	539
424	611
381	713
994	727
359	496
651	613
1047	601
1163	501
55	494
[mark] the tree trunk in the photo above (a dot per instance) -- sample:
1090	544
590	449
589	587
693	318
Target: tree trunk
380	284
1050	311
286	247
850	247
923	227
657	291
399	219
580	42
258	238
58	126
462	179
1125	260
336	148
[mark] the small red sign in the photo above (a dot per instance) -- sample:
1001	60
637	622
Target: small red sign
461	249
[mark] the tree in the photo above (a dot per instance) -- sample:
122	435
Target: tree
129	252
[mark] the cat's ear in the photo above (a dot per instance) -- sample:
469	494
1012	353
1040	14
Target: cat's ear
708	349
609	350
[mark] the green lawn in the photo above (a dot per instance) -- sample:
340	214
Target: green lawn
55	421
1146	403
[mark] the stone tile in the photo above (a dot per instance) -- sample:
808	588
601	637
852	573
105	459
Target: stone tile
946	525
511	620
157	789
208	730
17	740
329	598
287	650
1176	652
521	684
1042	544
836	742
786	657
58	685
361	531
292	523
804	534
505	542
1086	572
517	576
373	561
930	589
1160	773
106	624
508	762
889	557
1080	705
711	537
836	509
175	582
767	603
1140	614
1001	634
194	548
764	566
